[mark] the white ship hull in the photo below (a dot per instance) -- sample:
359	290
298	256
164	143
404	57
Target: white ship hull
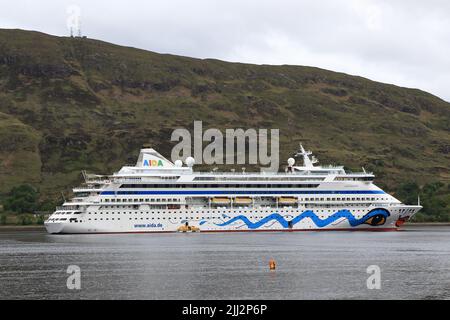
159	196
245	220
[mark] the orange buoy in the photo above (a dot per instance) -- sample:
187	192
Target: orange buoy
272	264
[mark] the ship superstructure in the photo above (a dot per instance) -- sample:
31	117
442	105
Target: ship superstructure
156	195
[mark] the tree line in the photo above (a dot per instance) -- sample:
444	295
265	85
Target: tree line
23	205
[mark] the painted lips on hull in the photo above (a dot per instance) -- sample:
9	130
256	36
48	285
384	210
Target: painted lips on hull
404	217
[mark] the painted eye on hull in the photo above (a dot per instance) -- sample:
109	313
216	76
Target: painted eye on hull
376	220
376	217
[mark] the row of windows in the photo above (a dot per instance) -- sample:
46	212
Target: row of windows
353	179
178	200
343	199
191	218
283	178
180	218
244	211
176	186
139	200
249	207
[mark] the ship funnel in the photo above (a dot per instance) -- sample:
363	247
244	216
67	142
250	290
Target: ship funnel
150	158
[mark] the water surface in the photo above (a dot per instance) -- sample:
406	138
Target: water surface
414	263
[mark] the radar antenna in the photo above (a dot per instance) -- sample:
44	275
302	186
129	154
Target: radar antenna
83	172
307	162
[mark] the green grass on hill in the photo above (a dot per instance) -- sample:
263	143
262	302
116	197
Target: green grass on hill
68	104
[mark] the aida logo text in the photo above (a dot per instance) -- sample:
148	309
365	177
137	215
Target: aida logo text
152	163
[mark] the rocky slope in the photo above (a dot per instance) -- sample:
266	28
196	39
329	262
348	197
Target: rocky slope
68	104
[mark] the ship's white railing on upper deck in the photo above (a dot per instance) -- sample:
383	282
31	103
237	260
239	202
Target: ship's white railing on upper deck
105	179
86	189
67	207
367	173
255	173
108	179
241	177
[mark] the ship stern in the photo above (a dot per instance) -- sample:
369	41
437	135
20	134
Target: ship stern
54	227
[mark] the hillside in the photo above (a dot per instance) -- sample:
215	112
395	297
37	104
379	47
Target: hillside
68	104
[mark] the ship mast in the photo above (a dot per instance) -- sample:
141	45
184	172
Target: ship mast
307	162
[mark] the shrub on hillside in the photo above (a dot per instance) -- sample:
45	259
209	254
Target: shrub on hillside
21	199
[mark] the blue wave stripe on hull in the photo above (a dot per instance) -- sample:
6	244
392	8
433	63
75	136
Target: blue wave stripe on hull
307	214
240	192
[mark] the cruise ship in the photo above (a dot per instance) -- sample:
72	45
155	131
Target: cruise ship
157	195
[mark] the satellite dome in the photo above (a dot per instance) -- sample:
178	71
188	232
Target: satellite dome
190	161
291	161
178	163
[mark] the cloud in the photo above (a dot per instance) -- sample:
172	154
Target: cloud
402	42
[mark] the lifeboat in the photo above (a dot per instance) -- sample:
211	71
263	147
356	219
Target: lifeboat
243	200
220	200
287	200
187	228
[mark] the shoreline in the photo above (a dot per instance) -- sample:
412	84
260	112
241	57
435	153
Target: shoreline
427	224
42	228
22	228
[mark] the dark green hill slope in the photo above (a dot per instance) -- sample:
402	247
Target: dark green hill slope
68	104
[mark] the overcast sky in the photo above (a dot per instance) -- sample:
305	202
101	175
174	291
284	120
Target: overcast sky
404	42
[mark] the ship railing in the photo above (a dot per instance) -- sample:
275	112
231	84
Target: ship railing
86	189
329	166
62	208
225	173
359	173
98	180
240	173
76	199
271	174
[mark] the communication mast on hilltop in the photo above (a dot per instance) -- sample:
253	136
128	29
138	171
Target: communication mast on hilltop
74	21
77	32
79	28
